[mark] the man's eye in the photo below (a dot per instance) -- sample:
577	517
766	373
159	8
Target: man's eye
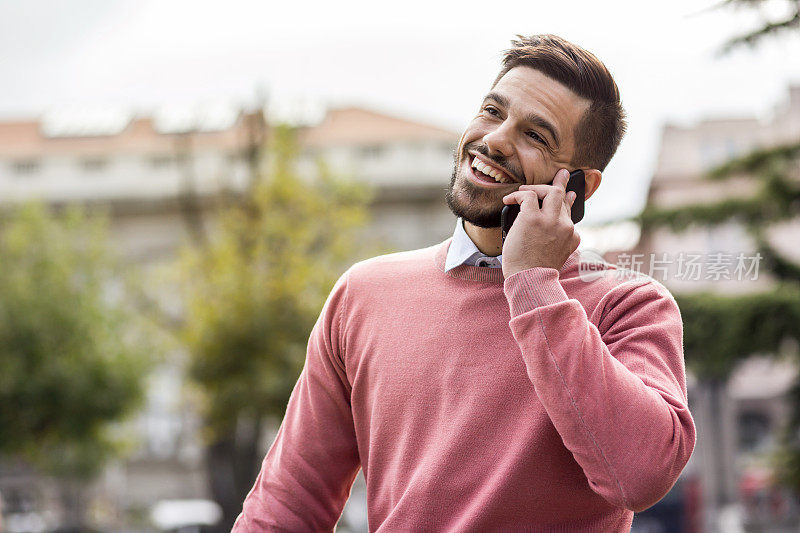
491	110
536	137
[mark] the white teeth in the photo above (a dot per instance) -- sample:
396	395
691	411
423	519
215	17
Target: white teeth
489	171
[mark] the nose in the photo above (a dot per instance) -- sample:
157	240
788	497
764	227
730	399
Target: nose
499	140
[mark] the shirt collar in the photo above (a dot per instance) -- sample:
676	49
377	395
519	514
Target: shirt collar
462	250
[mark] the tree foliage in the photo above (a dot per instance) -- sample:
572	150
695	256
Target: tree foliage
769	26
70	364
252	295
720	330
776	199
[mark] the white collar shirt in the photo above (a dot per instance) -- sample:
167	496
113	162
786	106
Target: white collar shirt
463	251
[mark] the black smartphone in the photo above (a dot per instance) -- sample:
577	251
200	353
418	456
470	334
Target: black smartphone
576	183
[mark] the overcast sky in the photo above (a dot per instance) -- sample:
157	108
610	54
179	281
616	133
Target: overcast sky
425	60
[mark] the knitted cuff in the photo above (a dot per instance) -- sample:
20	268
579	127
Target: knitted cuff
532	288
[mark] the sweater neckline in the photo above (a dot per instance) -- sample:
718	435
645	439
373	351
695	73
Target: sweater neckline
487	274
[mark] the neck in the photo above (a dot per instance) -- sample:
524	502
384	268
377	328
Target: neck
488	240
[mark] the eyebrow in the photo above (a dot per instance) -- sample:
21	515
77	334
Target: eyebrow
532	118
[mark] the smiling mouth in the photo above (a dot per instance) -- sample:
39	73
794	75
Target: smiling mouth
489	173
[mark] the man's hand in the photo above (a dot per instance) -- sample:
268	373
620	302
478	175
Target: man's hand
540	237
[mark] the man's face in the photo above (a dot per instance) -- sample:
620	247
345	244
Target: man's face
524	129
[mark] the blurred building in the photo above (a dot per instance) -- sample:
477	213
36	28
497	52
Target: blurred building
408	163
685	153
153	175
738	429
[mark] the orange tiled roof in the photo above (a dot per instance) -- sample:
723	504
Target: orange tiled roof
352	125
26	139
341	126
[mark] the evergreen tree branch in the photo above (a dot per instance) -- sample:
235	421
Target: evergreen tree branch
774	262
756	36
767	29
721	330
757	161
748	210
777	199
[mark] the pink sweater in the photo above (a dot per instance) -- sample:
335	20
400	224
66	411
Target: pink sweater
541	402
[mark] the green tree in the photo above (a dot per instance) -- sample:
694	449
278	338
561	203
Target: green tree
720	330
770	26
71	364
252	293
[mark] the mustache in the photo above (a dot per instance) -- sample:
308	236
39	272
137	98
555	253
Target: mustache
500	161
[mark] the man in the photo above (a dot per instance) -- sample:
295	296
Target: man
489	392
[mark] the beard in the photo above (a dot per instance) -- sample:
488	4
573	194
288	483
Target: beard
480	207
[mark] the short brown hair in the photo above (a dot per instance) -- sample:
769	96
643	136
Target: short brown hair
602	126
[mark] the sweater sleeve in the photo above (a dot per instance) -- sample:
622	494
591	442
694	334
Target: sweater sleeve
308	472
617	394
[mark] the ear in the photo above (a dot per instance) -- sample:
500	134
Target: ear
592	177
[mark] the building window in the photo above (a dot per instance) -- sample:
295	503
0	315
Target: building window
94	164
731	149
709	154
371	151
160	161
754	431
26	166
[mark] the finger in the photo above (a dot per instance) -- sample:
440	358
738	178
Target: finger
561	179
517	197
571	197
510	198
554	199
522	198
541	189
